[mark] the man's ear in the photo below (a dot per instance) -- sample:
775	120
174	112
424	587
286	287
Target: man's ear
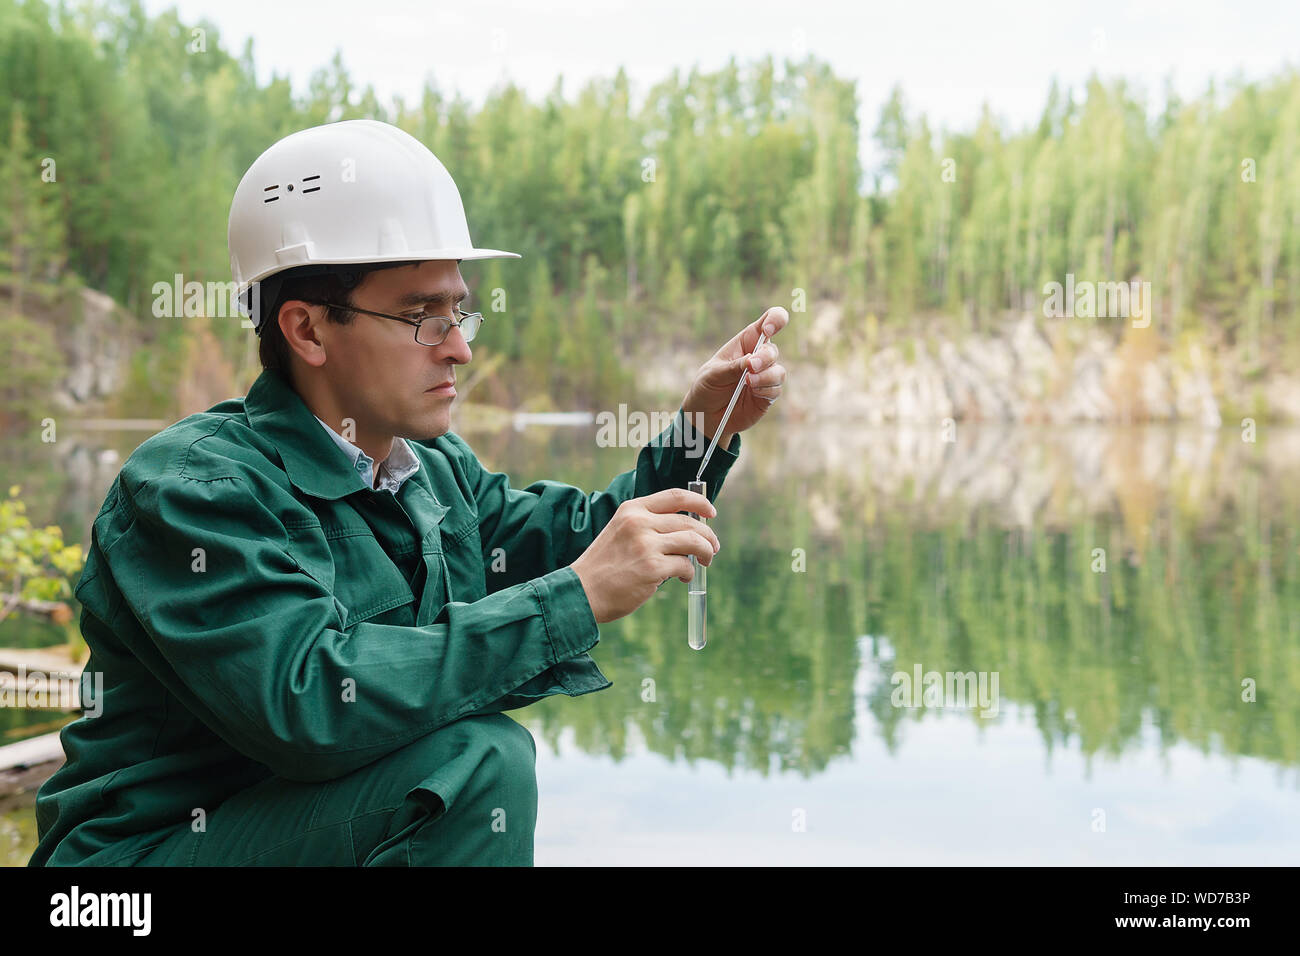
299	323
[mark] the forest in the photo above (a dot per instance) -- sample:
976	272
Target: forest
123	135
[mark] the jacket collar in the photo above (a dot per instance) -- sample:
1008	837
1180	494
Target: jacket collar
400	464
311	459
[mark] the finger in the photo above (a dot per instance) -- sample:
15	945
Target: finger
772	321
762	358
769	323
688	544
765	357
773	377
671	566
678	499
667	524
745	341
680	568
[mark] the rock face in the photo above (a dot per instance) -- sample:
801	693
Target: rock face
97	347
1026	373
1034	477
1031	371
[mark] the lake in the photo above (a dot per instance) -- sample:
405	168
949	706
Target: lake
1023	646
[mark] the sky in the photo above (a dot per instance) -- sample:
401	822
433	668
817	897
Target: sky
949	57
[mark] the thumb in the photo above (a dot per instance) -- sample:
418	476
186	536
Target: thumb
724	373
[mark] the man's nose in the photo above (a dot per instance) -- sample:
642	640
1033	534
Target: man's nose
454	347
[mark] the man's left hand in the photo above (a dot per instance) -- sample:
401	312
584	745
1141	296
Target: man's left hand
716	380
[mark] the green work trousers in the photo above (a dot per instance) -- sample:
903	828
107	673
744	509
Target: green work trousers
463	795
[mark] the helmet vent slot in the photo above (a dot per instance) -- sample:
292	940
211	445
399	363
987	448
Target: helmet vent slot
267	190
308	179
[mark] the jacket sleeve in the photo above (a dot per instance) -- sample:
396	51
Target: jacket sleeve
216	606
547	525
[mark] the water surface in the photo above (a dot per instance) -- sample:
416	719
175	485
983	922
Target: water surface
1120	733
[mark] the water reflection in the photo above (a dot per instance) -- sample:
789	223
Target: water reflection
983	555
978	555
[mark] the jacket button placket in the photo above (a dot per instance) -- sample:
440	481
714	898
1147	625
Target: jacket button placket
414	498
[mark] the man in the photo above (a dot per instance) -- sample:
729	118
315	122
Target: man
312	606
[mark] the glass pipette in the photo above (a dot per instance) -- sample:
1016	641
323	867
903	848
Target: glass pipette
698	593
735	396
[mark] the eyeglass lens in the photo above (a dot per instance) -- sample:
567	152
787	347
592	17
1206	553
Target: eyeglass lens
434	331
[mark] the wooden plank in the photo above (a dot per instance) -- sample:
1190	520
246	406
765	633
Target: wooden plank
119	424
44	678
26	765
48	660
31	752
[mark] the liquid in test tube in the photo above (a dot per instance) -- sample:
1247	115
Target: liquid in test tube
697	596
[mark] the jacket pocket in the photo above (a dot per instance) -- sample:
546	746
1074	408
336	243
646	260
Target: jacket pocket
463	562
368	584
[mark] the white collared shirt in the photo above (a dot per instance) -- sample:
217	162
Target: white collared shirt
400	464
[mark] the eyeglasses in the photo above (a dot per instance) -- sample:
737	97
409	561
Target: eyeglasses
429	329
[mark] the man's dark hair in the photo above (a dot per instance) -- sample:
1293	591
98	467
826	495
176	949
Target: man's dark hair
330	287
311	284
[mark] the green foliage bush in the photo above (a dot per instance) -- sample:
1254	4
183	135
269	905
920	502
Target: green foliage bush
35	564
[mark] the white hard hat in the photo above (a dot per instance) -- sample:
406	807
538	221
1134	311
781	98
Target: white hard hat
359	191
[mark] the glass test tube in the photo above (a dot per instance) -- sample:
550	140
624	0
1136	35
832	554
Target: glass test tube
697	597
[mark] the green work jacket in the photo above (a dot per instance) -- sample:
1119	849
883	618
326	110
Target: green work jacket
255	610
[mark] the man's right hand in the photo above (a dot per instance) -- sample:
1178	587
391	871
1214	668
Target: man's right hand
645	543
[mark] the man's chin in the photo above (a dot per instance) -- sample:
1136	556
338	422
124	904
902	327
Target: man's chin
427	428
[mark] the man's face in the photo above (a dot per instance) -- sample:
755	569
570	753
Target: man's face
379	375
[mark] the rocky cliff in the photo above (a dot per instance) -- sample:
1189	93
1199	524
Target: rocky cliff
1030	371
